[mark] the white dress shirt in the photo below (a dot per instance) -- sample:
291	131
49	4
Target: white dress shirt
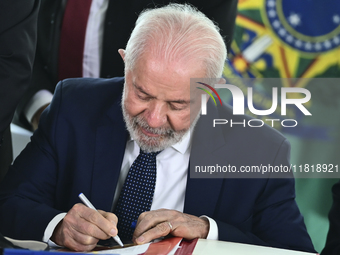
171	179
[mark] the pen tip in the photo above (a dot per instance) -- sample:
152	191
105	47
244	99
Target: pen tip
117	239
120	243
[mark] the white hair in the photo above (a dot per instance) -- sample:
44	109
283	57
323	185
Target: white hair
177	32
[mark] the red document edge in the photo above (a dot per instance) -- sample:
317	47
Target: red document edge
187	247
165	246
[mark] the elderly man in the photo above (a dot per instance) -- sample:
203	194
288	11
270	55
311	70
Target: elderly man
126	144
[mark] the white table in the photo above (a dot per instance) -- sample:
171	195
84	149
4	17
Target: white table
204	247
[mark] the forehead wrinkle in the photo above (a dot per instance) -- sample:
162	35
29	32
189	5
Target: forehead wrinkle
151	69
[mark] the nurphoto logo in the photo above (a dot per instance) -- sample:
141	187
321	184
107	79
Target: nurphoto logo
239	104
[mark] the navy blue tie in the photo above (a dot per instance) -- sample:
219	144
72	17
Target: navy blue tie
137	193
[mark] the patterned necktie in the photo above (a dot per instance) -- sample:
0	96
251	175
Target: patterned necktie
137	193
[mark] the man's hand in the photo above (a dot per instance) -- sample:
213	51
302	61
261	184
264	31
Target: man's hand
159	223
36	117
83	227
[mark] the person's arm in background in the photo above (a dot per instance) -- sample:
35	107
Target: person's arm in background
18	40
18	34
44	73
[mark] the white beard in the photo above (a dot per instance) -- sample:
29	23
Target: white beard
167	138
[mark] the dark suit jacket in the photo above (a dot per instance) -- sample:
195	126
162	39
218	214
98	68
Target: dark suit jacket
18	31
79	147
333	238
119	22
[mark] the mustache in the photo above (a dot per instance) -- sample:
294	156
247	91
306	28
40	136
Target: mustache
141	122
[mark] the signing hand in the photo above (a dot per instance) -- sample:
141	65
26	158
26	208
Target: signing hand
83	227
159	223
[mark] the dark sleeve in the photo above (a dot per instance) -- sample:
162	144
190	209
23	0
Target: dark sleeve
18	40
279	224
28	192
44	73
333	238
275	219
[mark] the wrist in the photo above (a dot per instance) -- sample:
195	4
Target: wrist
205	228
56	235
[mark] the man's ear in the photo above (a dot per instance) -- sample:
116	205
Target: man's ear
122	54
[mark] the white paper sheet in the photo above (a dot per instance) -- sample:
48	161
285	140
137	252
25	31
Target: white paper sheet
132	250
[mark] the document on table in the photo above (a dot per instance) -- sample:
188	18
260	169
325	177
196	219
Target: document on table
166	246
131	250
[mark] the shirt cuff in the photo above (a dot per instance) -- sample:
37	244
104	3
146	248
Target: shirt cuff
40	99
50	228
213	229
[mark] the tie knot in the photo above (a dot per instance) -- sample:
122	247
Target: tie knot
150	154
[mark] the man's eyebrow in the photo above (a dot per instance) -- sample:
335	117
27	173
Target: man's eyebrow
141	90
179	101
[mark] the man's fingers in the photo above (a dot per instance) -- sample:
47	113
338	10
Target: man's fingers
159	223
150	219
155	224
88	229
109	216
66	235
160	230
97	219
74	245
80	238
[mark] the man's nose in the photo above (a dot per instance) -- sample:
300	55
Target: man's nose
156	114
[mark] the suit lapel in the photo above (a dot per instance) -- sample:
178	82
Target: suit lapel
111	137
202	194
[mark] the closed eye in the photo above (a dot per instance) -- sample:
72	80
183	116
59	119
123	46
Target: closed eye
178	106
144	97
